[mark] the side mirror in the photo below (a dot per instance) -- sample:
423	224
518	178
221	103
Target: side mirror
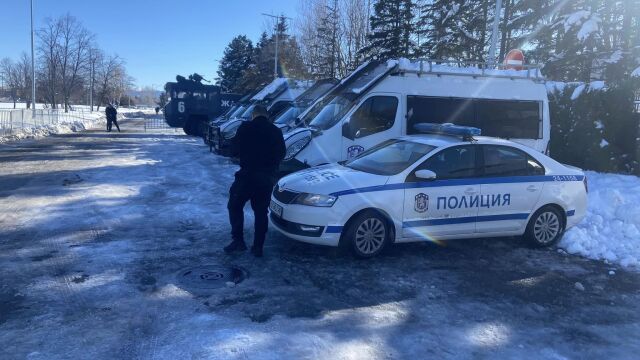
346	131
425	174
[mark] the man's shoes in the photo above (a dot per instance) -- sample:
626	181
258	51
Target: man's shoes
256	252
235	246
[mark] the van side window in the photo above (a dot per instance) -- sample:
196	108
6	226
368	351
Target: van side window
510	119
507	161
451	163
421	109
376	114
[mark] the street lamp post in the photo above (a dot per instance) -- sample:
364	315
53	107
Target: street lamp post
33	70
494	34
275	60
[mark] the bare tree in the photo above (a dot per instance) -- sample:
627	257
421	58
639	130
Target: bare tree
336	26
49	60
9	74
111	79
74	50
25	78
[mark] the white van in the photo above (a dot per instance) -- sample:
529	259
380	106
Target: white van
380	101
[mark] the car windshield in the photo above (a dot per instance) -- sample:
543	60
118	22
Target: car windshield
247	113
389	157
287	116
331	112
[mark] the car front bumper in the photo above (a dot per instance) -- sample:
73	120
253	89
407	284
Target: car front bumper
306	224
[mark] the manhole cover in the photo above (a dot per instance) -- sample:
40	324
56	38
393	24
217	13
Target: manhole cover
211	277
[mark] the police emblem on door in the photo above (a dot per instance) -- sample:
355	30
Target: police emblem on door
354	151
422	203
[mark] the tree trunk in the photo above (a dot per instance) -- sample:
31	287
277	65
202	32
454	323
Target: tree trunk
505	30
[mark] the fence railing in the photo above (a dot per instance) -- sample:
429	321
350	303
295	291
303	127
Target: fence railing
12	120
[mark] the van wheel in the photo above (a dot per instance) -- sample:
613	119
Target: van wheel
545	227
367	234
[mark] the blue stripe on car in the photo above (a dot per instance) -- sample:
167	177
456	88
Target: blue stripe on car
460	182
334	229
462	220
449	221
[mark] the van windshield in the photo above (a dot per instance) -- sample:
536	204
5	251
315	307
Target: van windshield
287	116
332	111
390	158
237	112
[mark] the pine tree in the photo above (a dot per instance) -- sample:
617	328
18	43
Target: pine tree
392	29
329	61
454	29
260	71
238	55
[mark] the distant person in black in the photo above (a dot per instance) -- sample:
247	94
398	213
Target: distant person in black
112	115
260	147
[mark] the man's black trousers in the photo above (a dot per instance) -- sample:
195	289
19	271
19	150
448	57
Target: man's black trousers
256	188
109	124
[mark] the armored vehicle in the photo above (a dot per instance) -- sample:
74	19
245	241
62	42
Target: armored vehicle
192	104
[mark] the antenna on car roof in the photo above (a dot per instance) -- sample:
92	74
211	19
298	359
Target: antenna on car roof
466	132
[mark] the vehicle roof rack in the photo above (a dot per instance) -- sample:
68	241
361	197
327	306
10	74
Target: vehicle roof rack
469	68
466	132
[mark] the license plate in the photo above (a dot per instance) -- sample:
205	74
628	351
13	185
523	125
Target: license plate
275	208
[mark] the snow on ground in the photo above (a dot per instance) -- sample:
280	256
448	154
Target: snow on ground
611	229
84	121
97	229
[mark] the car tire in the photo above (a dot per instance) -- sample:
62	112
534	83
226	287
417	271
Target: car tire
545	228
367	234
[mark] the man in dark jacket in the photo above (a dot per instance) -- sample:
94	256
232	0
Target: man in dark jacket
112	115
260	147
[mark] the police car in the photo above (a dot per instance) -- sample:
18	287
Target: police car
447	184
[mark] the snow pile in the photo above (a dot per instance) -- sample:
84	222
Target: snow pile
62	127
408	65
636	72
273	86
611	229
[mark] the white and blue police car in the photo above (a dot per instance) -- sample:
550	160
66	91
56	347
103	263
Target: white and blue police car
447	184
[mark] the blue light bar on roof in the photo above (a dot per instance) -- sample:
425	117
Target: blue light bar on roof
447	129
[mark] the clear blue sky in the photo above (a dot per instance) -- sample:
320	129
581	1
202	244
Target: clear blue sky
157	38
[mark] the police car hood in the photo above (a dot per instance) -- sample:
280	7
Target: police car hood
329	179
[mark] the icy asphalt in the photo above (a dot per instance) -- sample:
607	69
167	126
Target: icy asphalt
98	230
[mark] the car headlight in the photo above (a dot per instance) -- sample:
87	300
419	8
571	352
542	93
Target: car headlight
315	200
230	132
296	147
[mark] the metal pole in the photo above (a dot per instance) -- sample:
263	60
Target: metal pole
275	61
33	70
91	81
494	33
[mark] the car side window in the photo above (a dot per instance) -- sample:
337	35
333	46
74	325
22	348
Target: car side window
507	161
376	114
452	163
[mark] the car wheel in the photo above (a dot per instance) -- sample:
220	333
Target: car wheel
545	227
368	234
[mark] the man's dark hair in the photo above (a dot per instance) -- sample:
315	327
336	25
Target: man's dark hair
259	110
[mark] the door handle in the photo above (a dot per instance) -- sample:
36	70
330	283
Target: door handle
532	188
470	191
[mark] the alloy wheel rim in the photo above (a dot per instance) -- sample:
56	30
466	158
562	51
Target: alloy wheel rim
370	236
546	227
